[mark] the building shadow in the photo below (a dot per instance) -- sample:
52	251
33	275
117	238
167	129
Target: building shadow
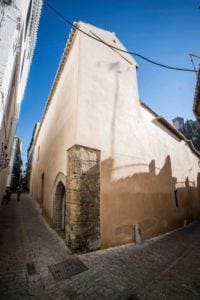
154	199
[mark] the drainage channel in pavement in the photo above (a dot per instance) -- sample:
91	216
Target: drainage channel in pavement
67	268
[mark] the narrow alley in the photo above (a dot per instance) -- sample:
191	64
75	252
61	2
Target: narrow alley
36	264
99	150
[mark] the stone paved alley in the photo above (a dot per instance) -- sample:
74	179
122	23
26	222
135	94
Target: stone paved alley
31	254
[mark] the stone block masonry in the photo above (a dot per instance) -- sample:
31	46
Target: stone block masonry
83	199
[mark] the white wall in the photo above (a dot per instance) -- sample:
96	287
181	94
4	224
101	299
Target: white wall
16	52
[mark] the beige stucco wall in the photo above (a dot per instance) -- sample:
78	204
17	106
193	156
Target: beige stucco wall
96	104
110	118
57	133
139	188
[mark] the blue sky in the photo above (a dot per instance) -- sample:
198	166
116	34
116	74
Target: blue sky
165	31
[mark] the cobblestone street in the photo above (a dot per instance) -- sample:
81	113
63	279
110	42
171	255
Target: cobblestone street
31	254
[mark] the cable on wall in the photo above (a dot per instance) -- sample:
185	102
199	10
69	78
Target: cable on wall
116	48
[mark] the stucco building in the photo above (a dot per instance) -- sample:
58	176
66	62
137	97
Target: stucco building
14	175
18	29
103	161
30	152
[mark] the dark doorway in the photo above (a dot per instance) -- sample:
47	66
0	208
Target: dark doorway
59	207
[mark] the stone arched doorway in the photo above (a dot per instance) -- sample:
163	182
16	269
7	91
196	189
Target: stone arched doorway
59	207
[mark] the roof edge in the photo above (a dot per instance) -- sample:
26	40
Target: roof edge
58	73
171	128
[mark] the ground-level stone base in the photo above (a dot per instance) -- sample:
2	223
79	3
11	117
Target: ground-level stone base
83	199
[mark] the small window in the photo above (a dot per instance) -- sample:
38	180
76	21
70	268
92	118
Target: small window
176	198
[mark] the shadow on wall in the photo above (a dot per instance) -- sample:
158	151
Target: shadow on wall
155	200
158	202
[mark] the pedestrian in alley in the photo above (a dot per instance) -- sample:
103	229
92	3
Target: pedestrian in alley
19	190
7	196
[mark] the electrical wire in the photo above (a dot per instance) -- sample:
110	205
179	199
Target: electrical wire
113	47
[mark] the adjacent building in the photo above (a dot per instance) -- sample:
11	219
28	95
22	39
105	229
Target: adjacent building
178	123
18	30
104	163
15	165
30	152
190	129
